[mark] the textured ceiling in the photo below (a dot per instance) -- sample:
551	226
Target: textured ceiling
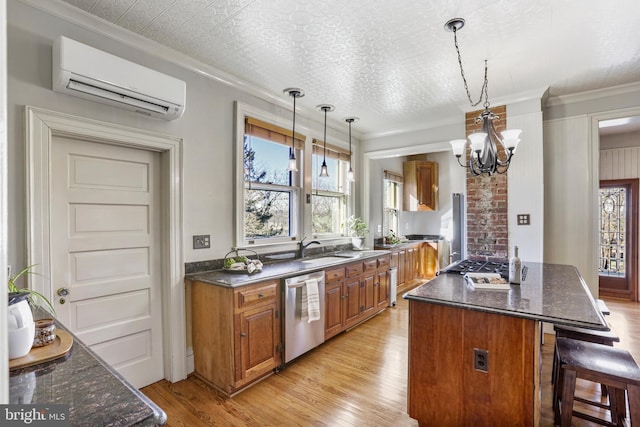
390	62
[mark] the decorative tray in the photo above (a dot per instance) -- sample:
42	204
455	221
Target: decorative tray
240	264
487	281
58	348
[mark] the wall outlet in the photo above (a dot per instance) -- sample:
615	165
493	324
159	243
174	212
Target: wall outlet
202	241
480	360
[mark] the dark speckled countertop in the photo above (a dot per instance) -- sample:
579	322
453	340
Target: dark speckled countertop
549	292
282	269
96	394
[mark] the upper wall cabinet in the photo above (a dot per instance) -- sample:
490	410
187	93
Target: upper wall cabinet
420	186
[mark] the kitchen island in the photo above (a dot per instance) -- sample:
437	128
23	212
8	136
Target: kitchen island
474	354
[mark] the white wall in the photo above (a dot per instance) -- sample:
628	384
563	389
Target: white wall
572	175
207	126
526	183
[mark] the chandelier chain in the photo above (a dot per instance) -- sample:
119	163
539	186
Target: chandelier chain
484	89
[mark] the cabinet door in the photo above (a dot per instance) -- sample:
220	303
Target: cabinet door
334	309
410	265
382	289
367	294
351	301
427	176
402	267
258	336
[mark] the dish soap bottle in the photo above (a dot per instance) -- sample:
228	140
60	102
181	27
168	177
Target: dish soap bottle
515	267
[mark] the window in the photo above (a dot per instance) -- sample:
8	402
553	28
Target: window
391	202
271	192
329	195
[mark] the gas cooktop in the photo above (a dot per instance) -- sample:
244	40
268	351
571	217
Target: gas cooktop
478	266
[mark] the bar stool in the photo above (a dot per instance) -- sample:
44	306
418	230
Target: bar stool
613	367
583	334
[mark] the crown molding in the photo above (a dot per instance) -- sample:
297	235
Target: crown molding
592	94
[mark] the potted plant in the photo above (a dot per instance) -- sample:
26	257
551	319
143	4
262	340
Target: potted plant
359	231
40	305
36	299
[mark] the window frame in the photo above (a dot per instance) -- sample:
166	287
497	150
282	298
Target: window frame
397	179
302	213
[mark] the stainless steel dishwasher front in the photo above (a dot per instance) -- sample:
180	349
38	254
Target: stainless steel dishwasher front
301	335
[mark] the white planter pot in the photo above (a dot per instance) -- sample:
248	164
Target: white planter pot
357	242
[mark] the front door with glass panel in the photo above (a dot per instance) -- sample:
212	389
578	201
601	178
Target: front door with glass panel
617	260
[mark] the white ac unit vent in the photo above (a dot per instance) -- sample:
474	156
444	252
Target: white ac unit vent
89	73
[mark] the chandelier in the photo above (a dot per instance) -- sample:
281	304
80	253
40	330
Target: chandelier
489	153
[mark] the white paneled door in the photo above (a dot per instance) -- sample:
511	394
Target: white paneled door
105	241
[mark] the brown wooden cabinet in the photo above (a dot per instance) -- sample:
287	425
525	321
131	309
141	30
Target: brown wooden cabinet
414	261
420	186
355	294
236	333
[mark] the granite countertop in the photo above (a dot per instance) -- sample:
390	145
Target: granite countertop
97	395
283	269
548	292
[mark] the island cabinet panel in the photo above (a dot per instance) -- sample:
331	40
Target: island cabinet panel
441	367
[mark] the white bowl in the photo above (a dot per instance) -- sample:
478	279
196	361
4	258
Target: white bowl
21	340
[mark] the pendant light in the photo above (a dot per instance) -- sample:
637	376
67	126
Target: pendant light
324	173
350	176
485	156
293	92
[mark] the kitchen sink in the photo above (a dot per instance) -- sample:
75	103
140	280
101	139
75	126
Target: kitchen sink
323	260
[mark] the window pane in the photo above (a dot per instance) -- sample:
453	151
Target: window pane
266	161
612	232
267	213
328	214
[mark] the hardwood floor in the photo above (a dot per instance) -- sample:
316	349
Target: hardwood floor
355	379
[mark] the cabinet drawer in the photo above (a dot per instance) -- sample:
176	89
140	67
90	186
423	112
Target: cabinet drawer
384	262
370	265
334	274
354	269
256	295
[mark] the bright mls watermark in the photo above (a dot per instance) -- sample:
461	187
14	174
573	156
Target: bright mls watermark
34	415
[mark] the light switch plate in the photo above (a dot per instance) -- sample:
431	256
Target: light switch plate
202	241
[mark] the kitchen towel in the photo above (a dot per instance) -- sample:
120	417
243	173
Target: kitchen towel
310	301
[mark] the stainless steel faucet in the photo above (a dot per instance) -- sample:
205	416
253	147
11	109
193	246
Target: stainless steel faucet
302	246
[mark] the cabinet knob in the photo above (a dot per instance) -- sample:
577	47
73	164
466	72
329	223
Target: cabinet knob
260	296
242	334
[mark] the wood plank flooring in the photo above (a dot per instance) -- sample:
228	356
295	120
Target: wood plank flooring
358	378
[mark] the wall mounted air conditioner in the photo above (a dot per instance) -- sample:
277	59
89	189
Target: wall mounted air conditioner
89	73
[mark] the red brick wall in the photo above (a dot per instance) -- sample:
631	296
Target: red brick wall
487	199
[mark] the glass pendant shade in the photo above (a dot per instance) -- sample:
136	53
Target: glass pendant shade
350	176
477	141
458	146
293	163
324	173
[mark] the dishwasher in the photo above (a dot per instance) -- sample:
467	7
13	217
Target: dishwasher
301	336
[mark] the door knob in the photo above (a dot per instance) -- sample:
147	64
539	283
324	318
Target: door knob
63	292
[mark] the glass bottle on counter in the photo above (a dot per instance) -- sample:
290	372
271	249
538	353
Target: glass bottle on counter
515	267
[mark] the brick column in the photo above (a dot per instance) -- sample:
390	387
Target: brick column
487	199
